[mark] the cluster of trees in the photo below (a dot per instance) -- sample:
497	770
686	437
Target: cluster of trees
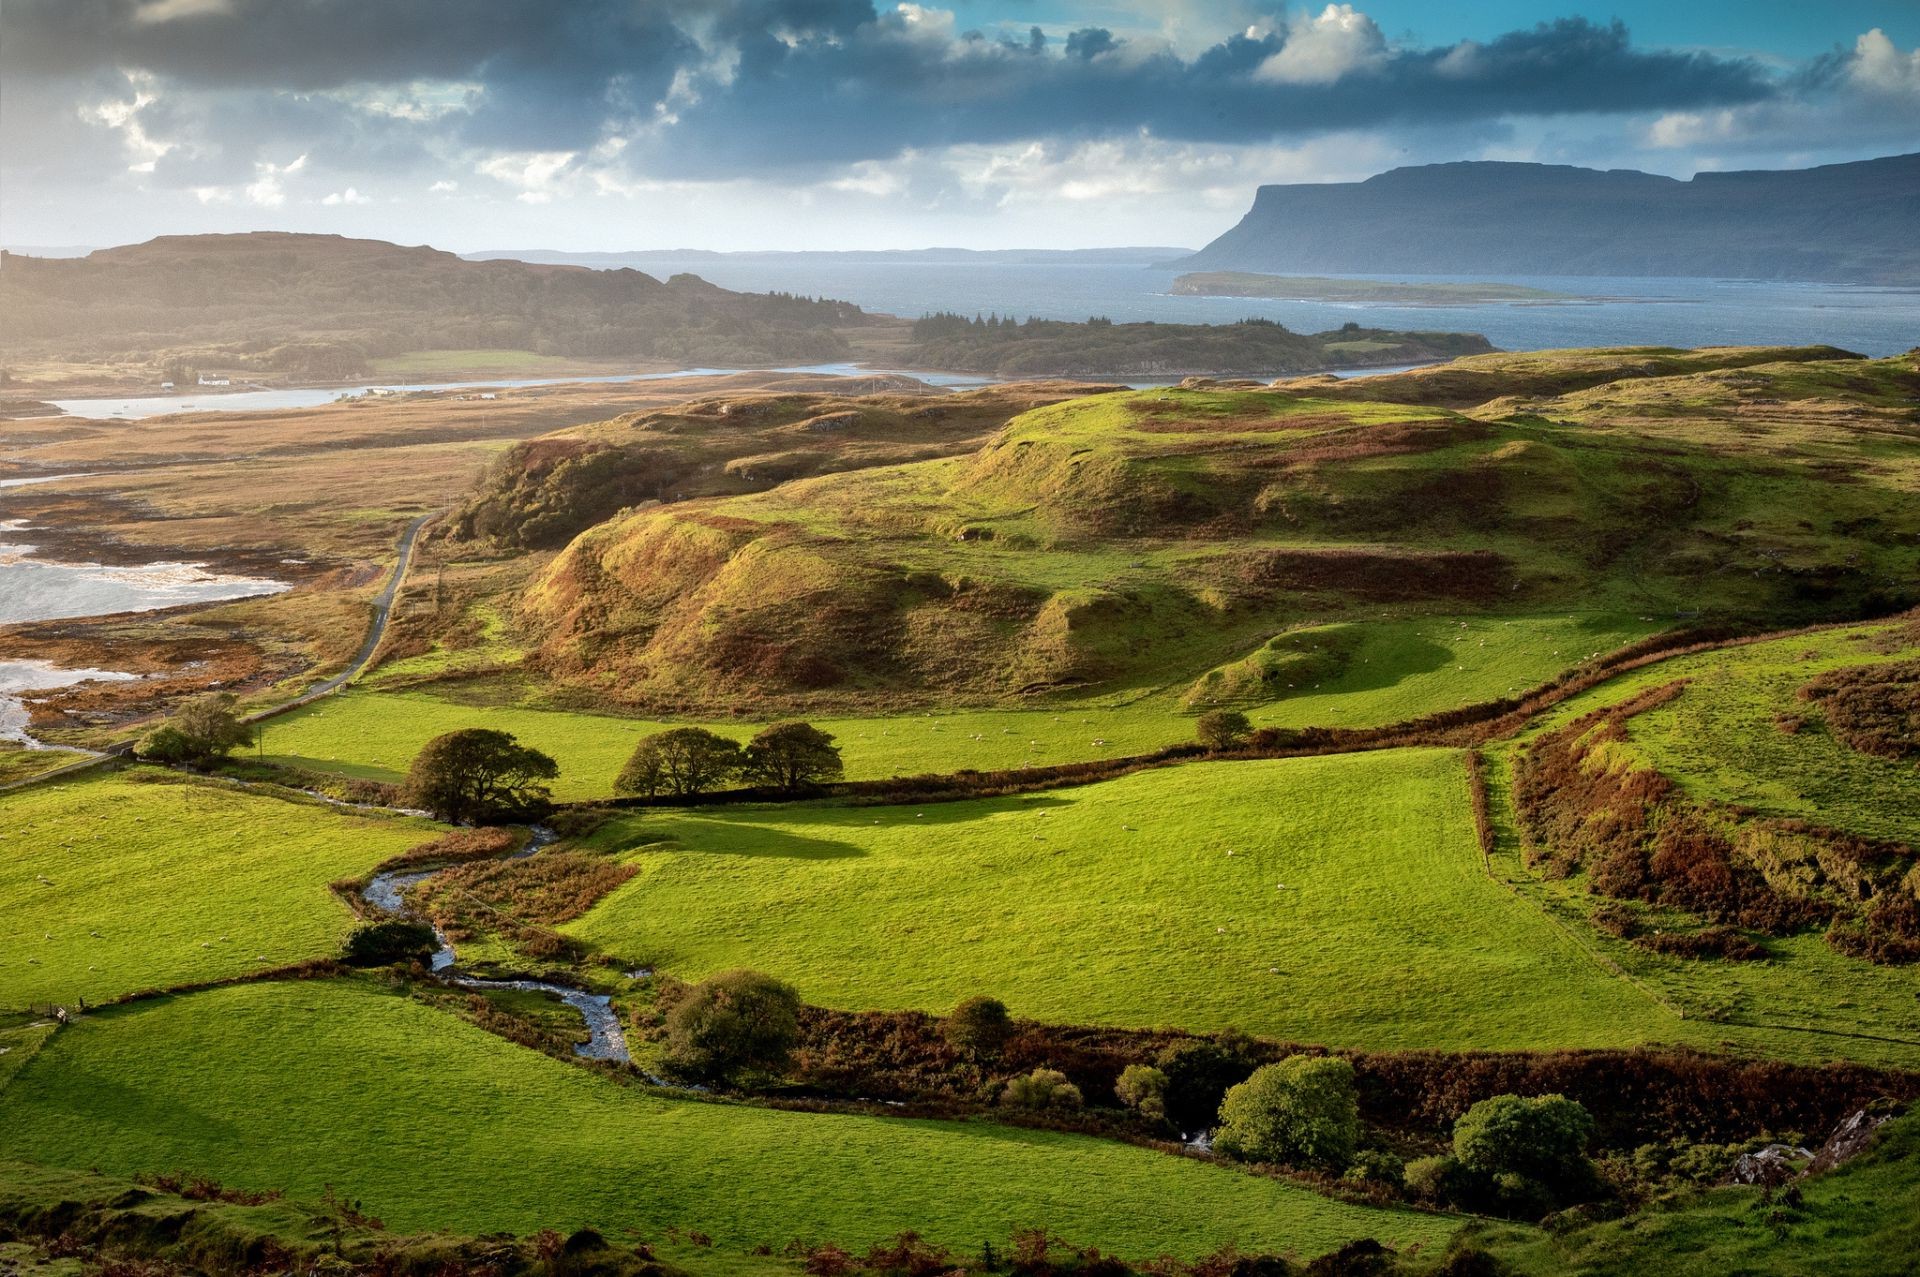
685	762
204	730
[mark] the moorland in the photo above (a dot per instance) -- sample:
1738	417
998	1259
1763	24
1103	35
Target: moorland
1398	754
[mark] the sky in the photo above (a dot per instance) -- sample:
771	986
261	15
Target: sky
844	124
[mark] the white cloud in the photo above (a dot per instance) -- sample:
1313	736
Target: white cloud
1879	66
537	174
444	186
348	196
266	189
1322	49
155	12
124	117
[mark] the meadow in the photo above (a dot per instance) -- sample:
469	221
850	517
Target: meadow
1338	900
109	885
434	1124
1397	670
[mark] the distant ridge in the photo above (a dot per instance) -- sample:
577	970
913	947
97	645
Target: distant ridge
1839	223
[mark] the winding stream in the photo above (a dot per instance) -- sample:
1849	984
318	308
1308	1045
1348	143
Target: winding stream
387	892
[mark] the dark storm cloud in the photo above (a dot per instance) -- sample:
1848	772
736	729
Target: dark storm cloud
723	88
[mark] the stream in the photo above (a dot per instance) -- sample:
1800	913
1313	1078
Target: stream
387	892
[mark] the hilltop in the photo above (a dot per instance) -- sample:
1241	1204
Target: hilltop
1488	218
323	305
1146	538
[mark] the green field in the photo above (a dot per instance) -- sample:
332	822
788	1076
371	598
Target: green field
1118	903
1719	741
109	885
1397	670
437	1125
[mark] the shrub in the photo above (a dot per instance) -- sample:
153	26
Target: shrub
390	940
1222	729
979	1028
1301	1111
1041	1089
479	776
1143	1089
683	761
735	1022
1377	1166
1523	1143
206	729
1438	1180
793	757
1198	1073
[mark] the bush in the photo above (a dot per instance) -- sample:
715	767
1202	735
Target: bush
1378	1166
736	1022
1222	729
1042	1089
479	776
979	1028
1533	1150
793	757
206	729
1143	1089
390	940
1437	1180
683	761
1198	1073
1301	1111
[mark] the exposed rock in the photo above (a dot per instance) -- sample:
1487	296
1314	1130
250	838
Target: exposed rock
1851	1140
1772	1165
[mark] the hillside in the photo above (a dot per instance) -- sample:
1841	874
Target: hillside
1142	539
1502	219
1100	348
545	491
321	305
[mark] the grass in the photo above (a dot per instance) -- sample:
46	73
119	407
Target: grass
1118	903
1862	1220
1397	670
435	1124
1719	742
108	885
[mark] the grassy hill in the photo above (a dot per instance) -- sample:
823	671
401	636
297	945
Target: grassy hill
324	306
1142	539
434	1124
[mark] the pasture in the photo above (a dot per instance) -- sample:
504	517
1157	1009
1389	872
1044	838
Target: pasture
109	885
1338	900
434	1124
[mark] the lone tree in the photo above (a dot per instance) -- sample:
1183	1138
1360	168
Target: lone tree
683	761
792	757
1533	1150
1222	728
1301	1111
479	776
205	730
736	1022
979	1027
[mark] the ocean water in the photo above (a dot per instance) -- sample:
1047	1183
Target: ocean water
1664	312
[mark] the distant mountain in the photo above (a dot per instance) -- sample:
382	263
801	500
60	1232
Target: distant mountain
323	305
639	258
1840	223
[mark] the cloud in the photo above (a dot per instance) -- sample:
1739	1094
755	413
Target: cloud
1880	67
348	196
1323	49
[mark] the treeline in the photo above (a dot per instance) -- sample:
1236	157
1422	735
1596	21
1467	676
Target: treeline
1003	346
323	306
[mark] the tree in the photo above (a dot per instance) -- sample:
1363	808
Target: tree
792	757
1532	1148
978	1027
1220	729
734	1022
1198	1074
1301	1111
1042	1089
390	940
1143	1089
683	761
205	730
478	775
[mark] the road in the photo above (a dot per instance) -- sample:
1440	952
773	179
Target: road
382	611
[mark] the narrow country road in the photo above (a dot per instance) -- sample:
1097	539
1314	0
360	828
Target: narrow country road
382	610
